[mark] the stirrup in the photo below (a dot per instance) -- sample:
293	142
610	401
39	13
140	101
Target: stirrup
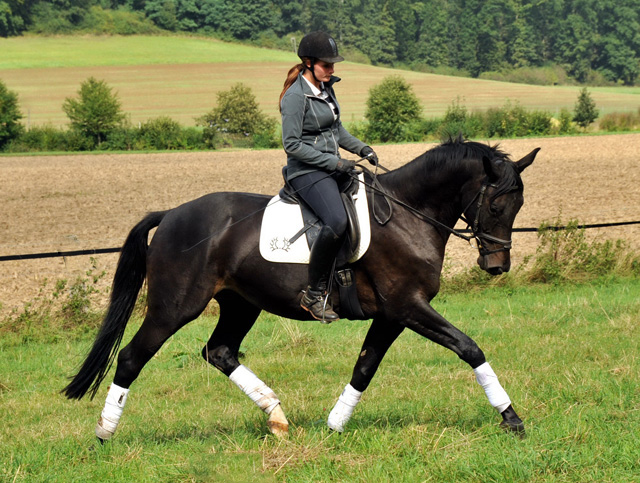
318	306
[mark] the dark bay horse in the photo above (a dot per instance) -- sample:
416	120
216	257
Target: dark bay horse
208	248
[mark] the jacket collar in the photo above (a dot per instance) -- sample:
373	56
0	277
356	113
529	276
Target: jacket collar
306	89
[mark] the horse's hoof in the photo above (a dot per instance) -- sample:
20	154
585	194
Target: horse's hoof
514	427
278	429
511	422
277	422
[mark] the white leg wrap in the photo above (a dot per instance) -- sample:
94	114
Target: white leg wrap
253	387
342	411
113	407
489	381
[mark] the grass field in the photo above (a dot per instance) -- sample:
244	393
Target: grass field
567	355
180	76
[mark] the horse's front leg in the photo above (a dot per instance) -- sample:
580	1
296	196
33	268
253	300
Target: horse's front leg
429	323
381	335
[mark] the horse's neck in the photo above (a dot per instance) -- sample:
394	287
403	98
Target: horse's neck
439	193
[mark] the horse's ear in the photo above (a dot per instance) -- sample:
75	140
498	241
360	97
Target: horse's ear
489	168
527	160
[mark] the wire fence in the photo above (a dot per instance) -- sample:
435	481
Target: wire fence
100	251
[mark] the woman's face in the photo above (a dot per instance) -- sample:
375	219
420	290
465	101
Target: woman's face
323	71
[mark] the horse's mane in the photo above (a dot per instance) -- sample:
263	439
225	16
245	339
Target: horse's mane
452	156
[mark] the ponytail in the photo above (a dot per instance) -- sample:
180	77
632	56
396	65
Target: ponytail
292	75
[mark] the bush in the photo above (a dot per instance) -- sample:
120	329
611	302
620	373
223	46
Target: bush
237	120
97	111
565	122
10	115
565	254
50	138
391	107
159	133
457	121
585	111
621	121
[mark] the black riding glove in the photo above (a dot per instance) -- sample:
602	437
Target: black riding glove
345	165
370	154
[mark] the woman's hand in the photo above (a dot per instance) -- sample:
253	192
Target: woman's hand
370	154
345	165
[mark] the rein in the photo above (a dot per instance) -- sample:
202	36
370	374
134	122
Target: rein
476	233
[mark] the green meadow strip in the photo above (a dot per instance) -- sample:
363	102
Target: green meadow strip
567	355
72	51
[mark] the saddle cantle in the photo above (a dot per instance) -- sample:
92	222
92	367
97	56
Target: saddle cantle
286	219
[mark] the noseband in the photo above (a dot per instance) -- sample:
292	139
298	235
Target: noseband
478	234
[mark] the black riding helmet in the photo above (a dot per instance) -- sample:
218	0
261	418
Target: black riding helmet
319	45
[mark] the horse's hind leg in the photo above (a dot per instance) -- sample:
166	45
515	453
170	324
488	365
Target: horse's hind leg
237	316
159	324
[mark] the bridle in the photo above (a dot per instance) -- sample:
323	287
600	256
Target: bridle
476	232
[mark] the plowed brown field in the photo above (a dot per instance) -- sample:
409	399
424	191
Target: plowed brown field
91	201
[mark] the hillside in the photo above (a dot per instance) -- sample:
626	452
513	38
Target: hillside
180	76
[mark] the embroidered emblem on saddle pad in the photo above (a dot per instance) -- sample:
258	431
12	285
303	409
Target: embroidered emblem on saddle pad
282	235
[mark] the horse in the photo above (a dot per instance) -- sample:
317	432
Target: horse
208	248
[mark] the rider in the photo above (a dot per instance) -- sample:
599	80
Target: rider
311	134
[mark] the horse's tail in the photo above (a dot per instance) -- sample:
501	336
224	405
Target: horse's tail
129	277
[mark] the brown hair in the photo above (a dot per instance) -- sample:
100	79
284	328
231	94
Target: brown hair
292	75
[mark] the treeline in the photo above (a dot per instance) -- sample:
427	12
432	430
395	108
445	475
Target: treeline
591	41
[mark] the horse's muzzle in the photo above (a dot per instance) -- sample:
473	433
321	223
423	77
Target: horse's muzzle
495	263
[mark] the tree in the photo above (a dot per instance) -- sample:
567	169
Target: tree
237	113
10	115
97	111
585	111
391	107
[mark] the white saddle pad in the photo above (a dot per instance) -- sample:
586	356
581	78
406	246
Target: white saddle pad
281	221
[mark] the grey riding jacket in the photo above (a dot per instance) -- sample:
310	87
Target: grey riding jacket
310	134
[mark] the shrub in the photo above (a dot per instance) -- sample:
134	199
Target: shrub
236	119
97	111
565	121
515	120
620	121
50	138
538	123
585	111
457	121
159	133
565	254
10	115
391	107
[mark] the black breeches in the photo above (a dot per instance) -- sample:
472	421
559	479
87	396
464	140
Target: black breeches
320	191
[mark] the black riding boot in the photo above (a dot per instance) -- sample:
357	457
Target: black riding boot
323	253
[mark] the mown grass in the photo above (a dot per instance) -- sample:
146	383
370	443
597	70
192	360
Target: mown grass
89	51
567	355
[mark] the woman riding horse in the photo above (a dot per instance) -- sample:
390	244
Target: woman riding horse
311	135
